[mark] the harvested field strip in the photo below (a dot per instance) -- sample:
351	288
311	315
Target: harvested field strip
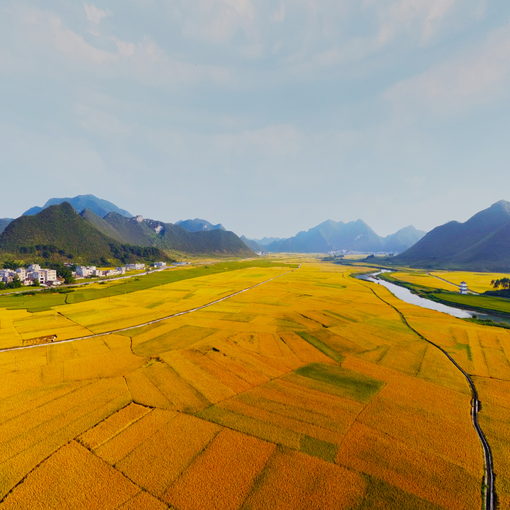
181	395
122	444
232	460
29	401
21	454
414	471
79	479
143	501
320	345
294	481
113	425
280	420
303	350
183	336
14	433
329	419
212	363
252	426
380	495
144	392
206	385
161	458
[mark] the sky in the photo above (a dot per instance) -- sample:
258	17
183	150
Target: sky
269	116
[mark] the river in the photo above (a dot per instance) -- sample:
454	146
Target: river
409	297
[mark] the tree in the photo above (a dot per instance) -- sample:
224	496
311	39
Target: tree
504	283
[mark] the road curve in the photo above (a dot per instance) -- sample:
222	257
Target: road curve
154	321
488	488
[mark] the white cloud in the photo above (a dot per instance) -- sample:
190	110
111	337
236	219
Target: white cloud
478	75
94	14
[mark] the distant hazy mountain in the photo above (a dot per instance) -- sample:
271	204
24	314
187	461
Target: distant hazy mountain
58	233
81	202
260	244
167	236
265	241
3	223
481	244
253	245
402	239
198	225
337	235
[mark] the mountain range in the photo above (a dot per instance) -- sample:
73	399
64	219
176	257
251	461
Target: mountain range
198	225
337	235
81	202
166	236
61	232
482	243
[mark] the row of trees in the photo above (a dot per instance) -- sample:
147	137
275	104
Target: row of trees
503	283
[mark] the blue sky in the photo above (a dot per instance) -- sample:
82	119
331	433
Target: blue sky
268	116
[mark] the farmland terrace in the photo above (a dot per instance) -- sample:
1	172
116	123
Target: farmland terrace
306	390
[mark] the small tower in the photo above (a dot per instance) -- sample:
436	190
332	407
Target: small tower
463	289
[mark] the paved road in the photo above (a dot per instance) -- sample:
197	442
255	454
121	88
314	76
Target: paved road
488	490
154	321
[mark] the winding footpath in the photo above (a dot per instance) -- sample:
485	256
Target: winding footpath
488	489
147	323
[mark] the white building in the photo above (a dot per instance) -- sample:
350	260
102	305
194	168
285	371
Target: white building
159	264
463	288
44	276
6	275
22	273
34	267
135	267
85	271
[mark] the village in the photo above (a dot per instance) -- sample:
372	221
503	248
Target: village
36	275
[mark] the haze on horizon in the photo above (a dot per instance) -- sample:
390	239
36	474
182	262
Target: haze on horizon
269	117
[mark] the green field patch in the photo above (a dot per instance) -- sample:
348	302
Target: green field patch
179	338
380	495
347	383
252	426
238	317
320	345
481	303
318	448
288	323
41	301
340	316
155	304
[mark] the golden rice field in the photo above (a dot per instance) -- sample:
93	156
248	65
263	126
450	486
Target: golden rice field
307	392
450	280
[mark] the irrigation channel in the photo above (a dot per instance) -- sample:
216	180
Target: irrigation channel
488	489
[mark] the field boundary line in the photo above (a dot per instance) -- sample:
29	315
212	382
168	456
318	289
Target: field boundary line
148	323
488	489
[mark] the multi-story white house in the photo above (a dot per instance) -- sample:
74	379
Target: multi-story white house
43	276
85	271
135	267
22	273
